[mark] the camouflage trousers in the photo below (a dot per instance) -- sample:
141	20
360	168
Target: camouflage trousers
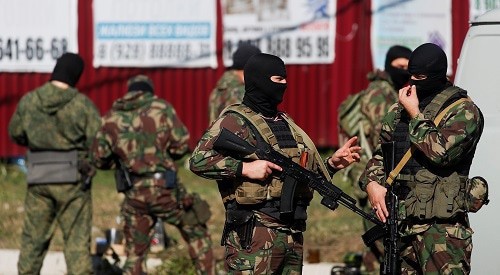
442	249
141	208
47	206
272	252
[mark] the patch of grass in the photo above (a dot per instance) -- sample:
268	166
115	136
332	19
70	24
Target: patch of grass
332	232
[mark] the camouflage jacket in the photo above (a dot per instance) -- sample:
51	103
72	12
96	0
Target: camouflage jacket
50	118
208	163
444	145
142	131
229	90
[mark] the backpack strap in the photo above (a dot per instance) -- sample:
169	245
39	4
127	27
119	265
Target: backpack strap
394	173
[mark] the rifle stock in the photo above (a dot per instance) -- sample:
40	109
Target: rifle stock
230	144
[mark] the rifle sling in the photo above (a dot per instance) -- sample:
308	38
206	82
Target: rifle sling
394	173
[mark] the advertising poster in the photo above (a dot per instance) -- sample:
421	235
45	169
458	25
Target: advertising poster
298	31
410	23
152	33
31	40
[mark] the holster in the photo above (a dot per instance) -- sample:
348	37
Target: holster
122	179
242	222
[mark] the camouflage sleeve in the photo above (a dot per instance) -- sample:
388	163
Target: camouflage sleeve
101	153
179	135
16	130
374	170
207	162
458	131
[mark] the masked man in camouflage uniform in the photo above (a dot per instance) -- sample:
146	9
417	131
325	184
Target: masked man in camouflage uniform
251	190
436	235
55	121
144	136
231	87
374	102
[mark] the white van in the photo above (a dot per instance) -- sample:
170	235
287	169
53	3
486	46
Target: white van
478	72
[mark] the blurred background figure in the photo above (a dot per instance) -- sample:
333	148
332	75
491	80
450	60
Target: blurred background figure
57	124
230	88
142	136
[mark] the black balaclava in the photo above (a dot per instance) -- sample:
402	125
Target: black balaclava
399	76
263	95
430	60
68	69
242	54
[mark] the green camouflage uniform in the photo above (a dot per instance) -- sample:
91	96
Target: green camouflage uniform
441	246
229	90
50	118
145	133
276	248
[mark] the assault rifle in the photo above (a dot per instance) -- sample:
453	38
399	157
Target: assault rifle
390	234
228	143
391	264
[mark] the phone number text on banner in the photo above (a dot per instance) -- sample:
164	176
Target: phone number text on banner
153	44
26	46
137	33
300	32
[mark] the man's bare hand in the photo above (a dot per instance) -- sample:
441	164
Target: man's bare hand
409	100
346	155
376	196
259	169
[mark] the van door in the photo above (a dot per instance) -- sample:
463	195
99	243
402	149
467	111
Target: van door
478	72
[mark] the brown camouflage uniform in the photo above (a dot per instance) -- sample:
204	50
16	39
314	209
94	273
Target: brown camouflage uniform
438	246
145	133
276	248
50	118
229	90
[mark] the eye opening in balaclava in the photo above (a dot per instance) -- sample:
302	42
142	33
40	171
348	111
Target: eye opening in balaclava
262	94
430	60
398	76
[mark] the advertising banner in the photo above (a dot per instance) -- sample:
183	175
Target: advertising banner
34	33
298	31
153	33
410	23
